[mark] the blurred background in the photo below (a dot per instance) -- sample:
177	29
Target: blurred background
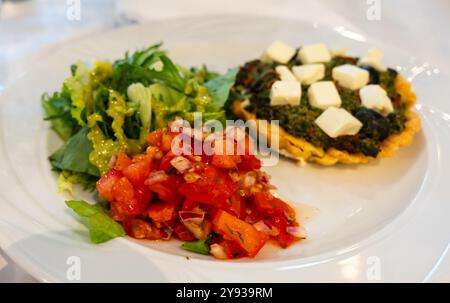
30	28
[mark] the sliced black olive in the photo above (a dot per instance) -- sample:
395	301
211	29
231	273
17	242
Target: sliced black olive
374	75
375	125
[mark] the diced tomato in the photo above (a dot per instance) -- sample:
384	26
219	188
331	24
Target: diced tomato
143	195
161	212
154	138
106	184
214	188
166	140
237	205
138	171
122	161
249	162
267	203
168	190
189	205
224	157
140	229
284	239
123	190
183	233
225	161
232	249
205	193
240	232
165	161
124	195
116	213
148	207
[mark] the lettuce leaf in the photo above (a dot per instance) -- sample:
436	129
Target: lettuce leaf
74	155
101	227
219	89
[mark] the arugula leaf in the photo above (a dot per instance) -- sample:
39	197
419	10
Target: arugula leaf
219	89
101	227
144	57
200	246
57	108
74	155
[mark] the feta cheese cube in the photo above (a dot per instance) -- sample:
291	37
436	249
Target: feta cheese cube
350	76
314	53
376	98
323	95
337	122
285	93
309	73
373	58
338	52
284	73
278	52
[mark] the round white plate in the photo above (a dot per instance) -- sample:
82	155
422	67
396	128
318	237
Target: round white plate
386	221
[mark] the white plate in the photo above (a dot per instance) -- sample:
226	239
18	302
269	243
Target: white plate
386	221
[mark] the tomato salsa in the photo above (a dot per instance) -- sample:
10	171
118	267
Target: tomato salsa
220	201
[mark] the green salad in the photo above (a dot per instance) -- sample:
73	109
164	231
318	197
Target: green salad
113	106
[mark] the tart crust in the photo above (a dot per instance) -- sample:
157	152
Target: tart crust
301	150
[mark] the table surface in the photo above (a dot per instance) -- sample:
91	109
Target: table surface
29	27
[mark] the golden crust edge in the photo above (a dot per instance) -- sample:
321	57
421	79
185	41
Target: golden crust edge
301	150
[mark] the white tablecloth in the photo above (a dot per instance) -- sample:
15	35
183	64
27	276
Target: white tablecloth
28	27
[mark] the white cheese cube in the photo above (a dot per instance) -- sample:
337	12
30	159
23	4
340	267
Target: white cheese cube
278	52
284	73
375	97
285	93
374	57
309	73
350	76
314	53
338	52
337	122
323	95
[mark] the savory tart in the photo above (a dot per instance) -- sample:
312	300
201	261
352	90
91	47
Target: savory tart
332	108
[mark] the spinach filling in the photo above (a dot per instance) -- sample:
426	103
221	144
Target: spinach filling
255	79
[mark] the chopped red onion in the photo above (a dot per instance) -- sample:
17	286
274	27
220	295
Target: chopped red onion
193	216
249	179
263	227
297	231
193	221
181	164
217	251
156	176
